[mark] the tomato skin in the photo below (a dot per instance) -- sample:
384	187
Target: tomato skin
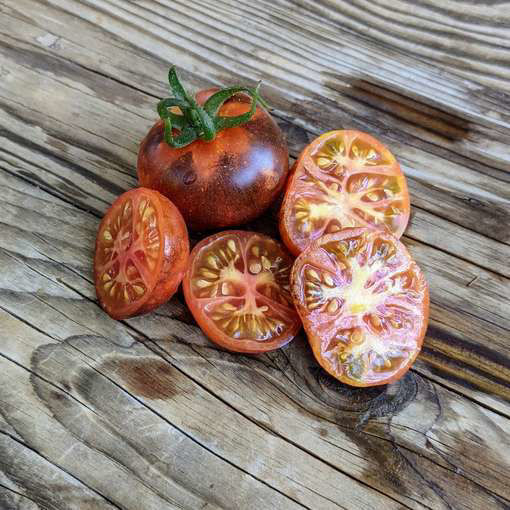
316	322
172	260
343	177
210	329
175	255
293	246
228	181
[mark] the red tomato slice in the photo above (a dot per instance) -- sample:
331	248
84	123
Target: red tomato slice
142	249
343	179
364	304
237	288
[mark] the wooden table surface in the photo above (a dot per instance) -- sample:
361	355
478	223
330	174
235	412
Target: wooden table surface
146	413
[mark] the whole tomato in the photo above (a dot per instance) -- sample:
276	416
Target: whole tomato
220	158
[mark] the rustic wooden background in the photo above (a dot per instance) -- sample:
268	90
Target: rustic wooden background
146	413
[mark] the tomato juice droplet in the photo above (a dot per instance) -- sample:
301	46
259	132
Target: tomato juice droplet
189	177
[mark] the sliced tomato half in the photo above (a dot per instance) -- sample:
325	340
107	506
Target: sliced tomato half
238	290
343	179
364	304
142	249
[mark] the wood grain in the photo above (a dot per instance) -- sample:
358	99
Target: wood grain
468	331
279	401
147	413
476	199
468	38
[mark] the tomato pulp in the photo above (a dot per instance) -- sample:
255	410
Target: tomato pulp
237	288
142	249
343	179
227	181
364	304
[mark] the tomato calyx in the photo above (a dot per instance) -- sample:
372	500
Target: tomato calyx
200	122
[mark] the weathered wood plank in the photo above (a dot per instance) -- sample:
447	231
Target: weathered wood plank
42	483
90	426
120	407
471	39
464	322
12	497
77	100
372	435
425	227
432	144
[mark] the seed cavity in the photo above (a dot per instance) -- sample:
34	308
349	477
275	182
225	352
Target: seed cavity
329	281
242	323
255	267
226	288
139	289
207	273
266	264
357	337
212	261
332	306
332	157
365	156
375	320
312	274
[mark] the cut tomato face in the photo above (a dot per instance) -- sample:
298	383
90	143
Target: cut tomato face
343	179
142	249
238	290
364	304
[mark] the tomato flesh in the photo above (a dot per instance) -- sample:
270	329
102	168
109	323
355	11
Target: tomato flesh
237	288
141	253
364	304
343	179
228	181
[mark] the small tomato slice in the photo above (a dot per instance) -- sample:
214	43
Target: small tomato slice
142	249
237	288
364	304
343	179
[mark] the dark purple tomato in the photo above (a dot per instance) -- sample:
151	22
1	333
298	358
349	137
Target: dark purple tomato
227	181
